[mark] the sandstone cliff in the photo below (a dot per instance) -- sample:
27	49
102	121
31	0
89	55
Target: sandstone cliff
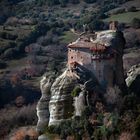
57	103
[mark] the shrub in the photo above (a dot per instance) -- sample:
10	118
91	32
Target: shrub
112	95
10	53
135	23
117	11
63	2
74	1
90	1
8	36
127	136
132	9
18	117
23	134
96	25
12	21
76	91
3	65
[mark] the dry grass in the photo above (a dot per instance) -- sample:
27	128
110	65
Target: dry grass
12	117
24	133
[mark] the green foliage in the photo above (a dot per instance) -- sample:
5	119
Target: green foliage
90	1
97	134
132	9
104	130
40	2
96	25
63	2
135	23
76	127
76	91
124	17
87	112
52	2
67	37
74	1
8	36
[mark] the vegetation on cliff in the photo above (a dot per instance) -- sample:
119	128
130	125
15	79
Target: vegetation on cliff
33	36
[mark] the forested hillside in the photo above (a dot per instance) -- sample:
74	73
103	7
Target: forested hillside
33	39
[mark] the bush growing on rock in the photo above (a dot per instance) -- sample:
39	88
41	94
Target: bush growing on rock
76	91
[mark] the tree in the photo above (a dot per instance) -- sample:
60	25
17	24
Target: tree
74	1
52	2
135	23
63	2
90	1
96	25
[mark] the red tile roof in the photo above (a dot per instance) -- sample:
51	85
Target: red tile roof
87	44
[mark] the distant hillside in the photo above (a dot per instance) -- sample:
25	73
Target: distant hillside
33	39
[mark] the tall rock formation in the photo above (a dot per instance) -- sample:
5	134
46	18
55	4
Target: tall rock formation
43	104
133	79
60	105
94	65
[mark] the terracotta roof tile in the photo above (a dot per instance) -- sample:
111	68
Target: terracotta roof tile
87	44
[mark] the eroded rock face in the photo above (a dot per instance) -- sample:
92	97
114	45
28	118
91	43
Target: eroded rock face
60	105
55	103
43	104
79	104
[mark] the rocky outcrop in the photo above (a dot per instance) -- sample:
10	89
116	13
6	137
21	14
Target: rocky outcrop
43	104
43	137
60	105
57	104
133	79
79	104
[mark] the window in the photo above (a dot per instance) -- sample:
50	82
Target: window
71	57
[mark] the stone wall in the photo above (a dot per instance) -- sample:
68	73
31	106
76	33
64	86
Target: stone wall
80	55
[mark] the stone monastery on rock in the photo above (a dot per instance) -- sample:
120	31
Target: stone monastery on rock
100	54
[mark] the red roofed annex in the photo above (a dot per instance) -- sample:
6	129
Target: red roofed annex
97	53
